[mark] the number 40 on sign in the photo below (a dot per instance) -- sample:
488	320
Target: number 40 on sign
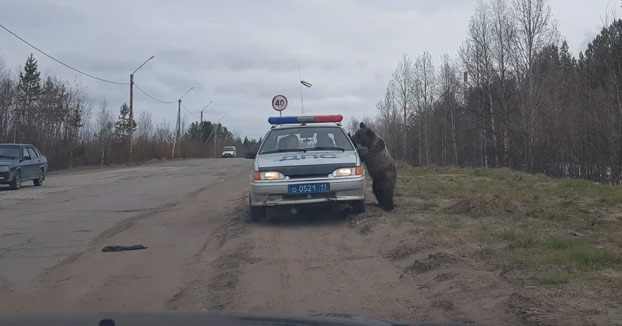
279	103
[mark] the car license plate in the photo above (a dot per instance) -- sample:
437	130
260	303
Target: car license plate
310	188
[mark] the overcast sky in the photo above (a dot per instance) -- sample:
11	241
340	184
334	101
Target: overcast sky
240	54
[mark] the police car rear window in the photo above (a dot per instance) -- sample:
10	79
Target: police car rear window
306	138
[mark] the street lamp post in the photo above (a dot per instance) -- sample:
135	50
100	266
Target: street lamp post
216	134
306	84
178	129
131	122
201	124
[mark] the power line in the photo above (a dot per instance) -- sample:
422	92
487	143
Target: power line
188	111
62	63
152	97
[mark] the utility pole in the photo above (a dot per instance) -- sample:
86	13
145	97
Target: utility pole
215	140
302	103
306	84
201	128
178	124
176	127
201	125
214	131
131	123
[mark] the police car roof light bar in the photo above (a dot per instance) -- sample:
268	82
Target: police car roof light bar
305	119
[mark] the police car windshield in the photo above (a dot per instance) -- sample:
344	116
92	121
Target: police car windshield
306	139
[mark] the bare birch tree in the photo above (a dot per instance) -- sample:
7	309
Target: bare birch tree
403	95
502	37
425	85
535	30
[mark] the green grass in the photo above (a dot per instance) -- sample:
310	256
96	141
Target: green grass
518	240
528	254
428	205
592	259
562	243
521	221
552	279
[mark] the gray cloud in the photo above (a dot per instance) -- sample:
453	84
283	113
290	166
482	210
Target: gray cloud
241	53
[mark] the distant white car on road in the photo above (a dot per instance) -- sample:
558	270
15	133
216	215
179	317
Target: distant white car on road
304	160
229	151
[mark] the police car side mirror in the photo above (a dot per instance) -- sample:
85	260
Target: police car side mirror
250	155
363	153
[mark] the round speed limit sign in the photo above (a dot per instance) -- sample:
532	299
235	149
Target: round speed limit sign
279	103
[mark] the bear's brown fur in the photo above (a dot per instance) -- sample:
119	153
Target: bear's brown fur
380	165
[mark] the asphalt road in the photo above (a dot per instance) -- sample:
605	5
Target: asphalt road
42	227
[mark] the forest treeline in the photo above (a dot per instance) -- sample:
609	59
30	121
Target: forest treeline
513	96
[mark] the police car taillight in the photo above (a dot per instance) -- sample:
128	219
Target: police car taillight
305	119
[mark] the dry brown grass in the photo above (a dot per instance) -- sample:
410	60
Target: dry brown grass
557	239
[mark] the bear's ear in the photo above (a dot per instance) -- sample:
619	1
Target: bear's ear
362	125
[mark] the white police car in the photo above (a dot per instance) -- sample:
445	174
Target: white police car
305	160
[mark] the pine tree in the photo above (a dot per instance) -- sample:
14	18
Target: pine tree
122	126
30	81
29	91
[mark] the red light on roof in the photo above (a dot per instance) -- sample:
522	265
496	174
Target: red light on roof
329	118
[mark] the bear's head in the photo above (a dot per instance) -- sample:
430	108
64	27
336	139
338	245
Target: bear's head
364	136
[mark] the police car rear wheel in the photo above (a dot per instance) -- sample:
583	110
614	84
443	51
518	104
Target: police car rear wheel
258	213
358	206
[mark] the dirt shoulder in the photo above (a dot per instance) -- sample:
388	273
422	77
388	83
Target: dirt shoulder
385	265
490	246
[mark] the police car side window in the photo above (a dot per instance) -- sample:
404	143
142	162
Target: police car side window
342	141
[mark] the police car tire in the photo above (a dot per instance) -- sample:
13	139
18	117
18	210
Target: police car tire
258	213
358	206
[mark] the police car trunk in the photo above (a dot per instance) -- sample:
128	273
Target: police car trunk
306	160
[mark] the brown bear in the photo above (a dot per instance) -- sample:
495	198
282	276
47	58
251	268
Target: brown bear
380	165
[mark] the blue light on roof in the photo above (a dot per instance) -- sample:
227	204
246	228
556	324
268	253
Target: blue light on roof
282	120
